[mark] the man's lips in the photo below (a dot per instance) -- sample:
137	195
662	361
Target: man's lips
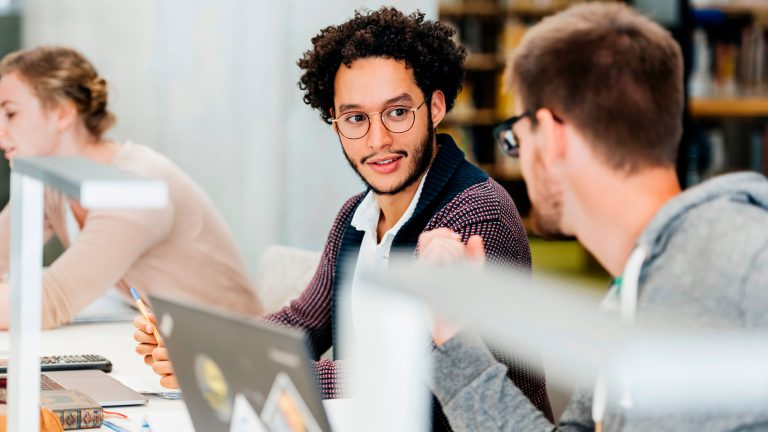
385	164
385	161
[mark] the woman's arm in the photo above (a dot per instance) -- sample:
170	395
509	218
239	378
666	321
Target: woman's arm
109	244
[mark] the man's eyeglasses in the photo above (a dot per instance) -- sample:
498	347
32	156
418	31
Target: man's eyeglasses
505	136
397	119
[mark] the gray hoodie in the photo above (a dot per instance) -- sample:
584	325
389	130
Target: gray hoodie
707	258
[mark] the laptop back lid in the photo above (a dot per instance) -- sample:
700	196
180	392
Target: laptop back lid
221	360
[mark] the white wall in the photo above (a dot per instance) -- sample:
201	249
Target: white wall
212	84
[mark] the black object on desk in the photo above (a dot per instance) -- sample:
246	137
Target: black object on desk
68	362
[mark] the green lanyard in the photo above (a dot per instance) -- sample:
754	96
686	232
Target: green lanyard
616	282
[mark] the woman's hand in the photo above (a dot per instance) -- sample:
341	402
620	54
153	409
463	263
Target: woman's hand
155	353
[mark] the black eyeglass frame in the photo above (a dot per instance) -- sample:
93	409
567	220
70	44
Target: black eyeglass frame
505	137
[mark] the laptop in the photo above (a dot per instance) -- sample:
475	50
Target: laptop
99	386
232	368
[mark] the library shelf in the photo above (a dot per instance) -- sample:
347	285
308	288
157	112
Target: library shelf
734	106
477	117
484	62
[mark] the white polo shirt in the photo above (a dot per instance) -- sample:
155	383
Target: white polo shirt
373	254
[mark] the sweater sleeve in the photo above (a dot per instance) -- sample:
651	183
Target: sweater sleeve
109	244
5	236
311	312
477	396
487	210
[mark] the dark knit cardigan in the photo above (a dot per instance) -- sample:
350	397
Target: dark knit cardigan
456	195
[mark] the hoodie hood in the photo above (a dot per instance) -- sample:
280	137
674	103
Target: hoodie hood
746	188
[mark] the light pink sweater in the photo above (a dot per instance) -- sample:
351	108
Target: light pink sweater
184	250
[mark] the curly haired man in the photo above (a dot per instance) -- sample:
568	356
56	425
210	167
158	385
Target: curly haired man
384	80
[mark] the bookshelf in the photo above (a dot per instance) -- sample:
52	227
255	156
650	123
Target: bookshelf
733	7
496	9
729	86
489	29
729	107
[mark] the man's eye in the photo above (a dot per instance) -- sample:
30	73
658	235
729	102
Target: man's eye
397	113
9	115
355	118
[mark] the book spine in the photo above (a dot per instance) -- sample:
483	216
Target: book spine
85	418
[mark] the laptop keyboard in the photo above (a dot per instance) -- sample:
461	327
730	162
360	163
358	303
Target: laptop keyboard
46	383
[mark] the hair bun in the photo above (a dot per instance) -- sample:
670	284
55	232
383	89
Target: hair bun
60	73
99	93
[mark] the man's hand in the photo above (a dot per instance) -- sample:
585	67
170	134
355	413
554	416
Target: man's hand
443	246
155	353
443	331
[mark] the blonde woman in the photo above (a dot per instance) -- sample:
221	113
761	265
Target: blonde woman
54	103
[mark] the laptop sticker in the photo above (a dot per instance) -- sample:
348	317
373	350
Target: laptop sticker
213	386
166	325
285	410
244	418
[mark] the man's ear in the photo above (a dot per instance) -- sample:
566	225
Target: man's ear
333	124
555	142
66	115
437	107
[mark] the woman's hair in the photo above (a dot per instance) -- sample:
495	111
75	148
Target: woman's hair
427	47
59	74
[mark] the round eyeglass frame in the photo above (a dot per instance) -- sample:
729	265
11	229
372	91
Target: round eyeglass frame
381	115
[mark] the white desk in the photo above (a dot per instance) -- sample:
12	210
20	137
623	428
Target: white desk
115	342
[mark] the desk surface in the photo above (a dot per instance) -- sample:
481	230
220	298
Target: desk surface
115	342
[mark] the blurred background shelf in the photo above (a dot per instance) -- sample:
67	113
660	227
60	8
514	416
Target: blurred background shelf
478	117
492	9
733	7
735	106
484	62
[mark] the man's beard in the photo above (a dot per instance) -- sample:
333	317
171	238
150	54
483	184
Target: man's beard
422	158
546	215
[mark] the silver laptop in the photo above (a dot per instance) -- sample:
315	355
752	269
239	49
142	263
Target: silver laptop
225	363
96	384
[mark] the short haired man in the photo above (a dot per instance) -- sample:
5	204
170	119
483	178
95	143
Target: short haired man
600	99
385	80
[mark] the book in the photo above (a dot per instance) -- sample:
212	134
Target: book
70	409
74	409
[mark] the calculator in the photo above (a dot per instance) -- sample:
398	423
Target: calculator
68	362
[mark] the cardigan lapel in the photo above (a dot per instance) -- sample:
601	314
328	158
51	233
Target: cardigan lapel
440	187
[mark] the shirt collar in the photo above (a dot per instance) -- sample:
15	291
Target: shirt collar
366	217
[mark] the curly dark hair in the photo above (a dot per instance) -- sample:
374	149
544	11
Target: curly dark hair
426	47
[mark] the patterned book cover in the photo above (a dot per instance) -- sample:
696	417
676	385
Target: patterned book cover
75	410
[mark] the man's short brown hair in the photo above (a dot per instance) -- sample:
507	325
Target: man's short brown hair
614	74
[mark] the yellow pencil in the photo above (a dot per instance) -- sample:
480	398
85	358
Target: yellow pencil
144	312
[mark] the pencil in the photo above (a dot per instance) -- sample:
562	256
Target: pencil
145	312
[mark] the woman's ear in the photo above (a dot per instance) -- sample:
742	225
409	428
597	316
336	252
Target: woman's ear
437	107
66	115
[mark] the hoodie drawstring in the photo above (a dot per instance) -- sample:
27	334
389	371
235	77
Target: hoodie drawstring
630	280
